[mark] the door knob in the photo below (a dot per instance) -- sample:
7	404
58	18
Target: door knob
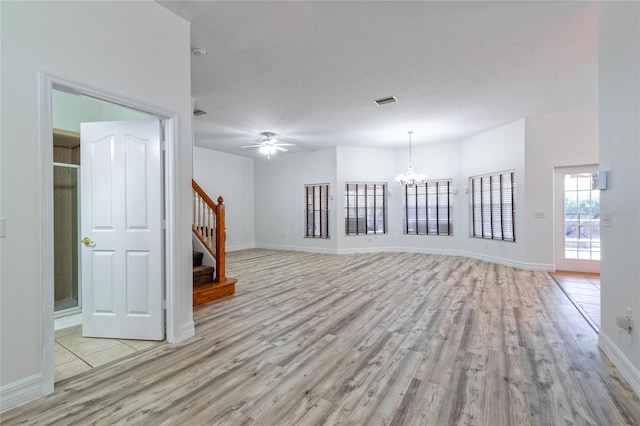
86	241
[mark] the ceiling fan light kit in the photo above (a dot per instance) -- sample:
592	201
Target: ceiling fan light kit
269	145
411	178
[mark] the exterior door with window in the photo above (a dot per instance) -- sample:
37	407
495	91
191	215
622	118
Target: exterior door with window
577	220
121	222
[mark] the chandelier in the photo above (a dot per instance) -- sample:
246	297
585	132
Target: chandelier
410	178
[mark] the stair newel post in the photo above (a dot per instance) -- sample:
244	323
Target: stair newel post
220	241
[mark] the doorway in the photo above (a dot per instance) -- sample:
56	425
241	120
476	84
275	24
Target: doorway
69	111
577	219
577	239
111	104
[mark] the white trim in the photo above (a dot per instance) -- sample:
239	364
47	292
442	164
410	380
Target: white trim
240	247
174	332
187	330
628	371
68	321
46	233
543	267
296	248
21	392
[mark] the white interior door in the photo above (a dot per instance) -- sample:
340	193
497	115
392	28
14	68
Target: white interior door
121	221
577	220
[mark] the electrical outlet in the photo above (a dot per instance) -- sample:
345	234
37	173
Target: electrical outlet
624	321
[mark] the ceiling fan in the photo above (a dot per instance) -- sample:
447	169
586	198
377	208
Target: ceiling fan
269	144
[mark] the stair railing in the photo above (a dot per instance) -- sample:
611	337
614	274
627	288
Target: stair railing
209	227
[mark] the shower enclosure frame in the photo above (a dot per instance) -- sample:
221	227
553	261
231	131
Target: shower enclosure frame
78	308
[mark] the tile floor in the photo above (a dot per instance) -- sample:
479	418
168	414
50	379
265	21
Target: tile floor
75	354
584	291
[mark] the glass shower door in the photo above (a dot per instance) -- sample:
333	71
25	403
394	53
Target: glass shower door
66	238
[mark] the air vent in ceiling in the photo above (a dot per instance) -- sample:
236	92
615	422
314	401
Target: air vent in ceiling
198	112
385	101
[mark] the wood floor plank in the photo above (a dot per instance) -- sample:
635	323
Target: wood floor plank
375	339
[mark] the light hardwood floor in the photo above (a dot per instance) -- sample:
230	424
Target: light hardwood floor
362	339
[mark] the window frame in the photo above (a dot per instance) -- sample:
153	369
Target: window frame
318	215
499	214
370	224
424	197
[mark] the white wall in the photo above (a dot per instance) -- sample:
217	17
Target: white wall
367	165
280	199
497	150
553	140
231	177
436	161
69	110
68	39
619	112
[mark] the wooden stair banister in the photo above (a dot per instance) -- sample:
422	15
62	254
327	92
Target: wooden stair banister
221	237
209	227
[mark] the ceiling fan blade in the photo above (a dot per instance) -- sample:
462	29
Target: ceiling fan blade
284	144
279	148
251	146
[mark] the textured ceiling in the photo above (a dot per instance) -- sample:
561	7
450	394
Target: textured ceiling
309	71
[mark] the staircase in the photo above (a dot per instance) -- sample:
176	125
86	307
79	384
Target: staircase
209	283
202	274
205	289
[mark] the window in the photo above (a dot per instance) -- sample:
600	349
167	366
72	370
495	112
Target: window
317	211
365	208
493	206
428	207
581	217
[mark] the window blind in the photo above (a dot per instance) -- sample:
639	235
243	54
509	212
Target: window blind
428	208
317	211
492	202
365	208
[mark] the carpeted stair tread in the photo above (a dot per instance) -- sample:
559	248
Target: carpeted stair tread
202	274
197	258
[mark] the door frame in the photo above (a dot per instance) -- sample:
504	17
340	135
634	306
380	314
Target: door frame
47	83
586	266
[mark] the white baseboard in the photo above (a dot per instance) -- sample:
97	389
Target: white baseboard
68	321
187	330
444	252
628	371
297	248
544	267
21	392
240	247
